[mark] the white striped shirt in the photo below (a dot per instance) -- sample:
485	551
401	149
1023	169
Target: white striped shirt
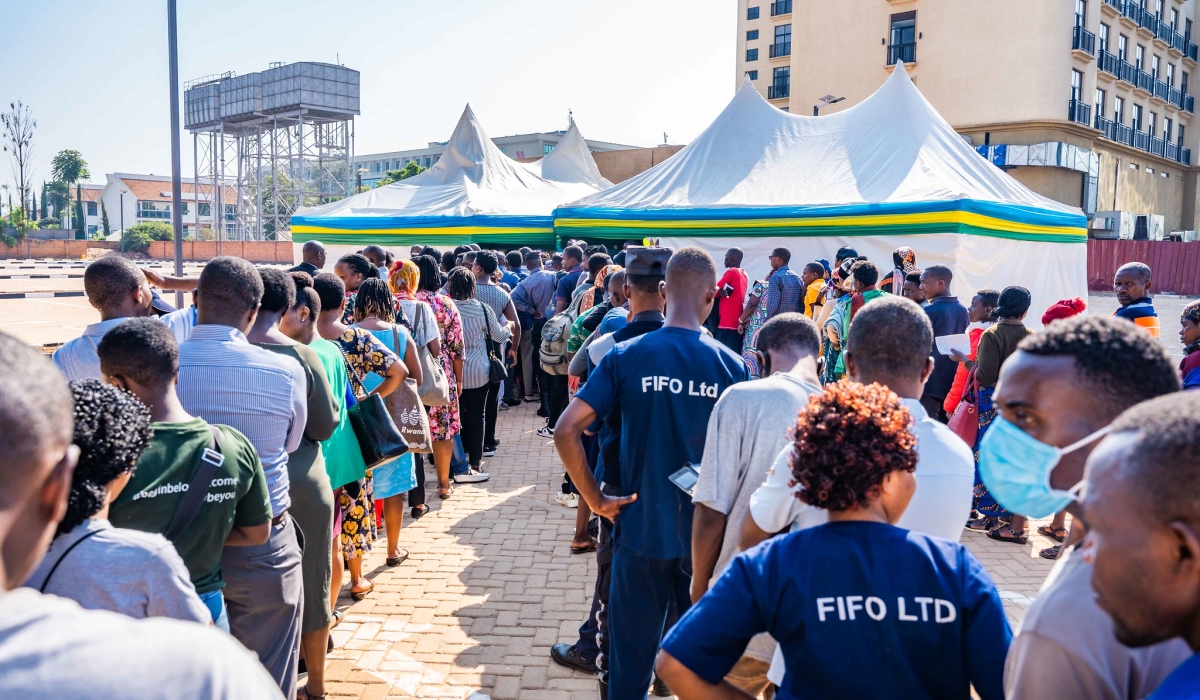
476	364
264	395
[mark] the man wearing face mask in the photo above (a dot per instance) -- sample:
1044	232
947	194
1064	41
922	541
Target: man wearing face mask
1056	397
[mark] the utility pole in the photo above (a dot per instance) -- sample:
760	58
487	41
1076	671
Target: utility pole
176	186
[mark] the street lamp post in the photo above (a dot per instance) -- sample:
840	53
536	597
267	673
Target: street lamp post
828	99
122	223
360	173
176	185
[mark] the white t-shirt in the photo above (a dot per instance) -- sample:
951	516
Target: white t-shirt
181	322
51	647
940	506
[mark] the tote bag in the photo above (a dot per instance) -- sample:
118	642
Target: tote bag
404	405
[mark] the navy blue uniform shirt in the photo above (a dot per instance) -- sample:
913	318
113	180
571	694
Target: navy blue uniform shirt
948	317
666	383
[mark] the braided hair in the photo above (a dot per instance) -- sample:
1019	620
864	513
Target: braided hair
375	299
112	429
1013	303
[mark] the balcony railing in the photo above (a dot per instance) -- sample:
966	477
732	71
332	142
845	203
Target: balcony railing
783	7
1161	90
778	92
1174	96
902	53
1188	103
1080	112
1161	30
1143	80
1132	137
784	49
1083	40
1114	3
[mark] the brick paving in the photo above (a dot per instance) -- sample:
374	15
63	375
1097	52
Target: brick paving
490	585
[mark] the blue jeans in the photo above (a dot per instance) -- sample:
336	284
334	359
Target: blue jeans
215	602
458	461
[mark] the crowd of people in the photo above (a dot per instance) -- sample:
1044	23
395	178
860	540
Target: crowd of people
774	474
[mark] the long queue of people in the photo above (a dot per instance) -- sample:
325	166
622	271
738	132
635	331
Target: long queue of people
202	466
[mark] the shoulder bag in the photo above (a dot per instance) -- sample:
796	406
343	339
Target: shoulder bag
497	372
965	421
378	437
434	388
404	405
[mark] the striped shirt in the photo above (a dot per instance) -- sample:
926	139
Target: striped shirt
475	362
494	296
264	395
1142	313
77	359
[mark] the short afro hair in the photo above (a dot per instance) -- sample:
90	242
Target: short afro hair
691	271
939	272
35	414
1119	364
891	336
460	284
598	262
330	289
574	252
279	290
140	349
110	280
513	259
783	254
486	260
913	278
790	330
865	272
815	267
1142	270
1164	461
231	284
112	429
847	440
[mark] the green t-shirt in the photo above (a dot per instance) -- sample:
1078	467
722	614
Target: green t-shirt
343	457
238	495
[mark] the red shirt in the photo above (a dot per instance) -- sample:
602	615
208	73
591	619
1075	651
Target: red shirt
730	308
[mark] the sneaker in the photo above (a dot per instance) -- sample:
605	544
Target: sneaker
473	476
545	431
489	451
569	500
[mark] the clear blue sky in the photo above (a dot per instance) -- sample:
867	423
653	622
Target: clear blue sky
95	72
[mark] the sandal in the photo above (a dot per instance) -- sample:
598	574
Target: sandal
418	512
303	694
447	493
1050	553
397	561
338	616
983	524
361	595
1055	533
1016	537
589	547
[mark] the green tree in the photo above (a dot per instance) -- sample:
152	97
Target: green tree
104	221
69	167
139	236
44	214
60	196
410	168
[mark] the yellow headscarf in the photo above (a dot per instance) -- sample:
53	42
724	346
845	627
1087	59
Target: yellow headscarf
403	278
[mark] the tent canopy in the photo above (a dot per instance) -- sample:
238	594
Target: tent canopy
474	193
889	165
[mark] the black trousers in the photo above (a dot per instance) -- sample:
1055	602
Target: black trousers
731	339
559	395
544	380
933	406
491	408
472	409
416	496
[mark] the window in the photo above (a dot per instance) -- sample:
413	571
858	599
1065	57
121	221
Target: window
1101	100
752	74
1154	67
1152	124
1080	13
1183	80
1134	166
751	55
153	210
781	83
546	148
1139	58
231	212
1104	36
1122	47
1179	135
1167	124
1158	9
92	230
904	38
1174	20
1149	171
91	209
427	163
1119	110
751	13
783	41
752	35
1076	85
1136	123
1187	29
1166	175
504	150
1171	74
204	209
230	229
185	208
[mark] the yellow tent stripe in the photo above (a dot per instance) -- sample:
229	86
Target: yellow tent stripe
874	220
432	232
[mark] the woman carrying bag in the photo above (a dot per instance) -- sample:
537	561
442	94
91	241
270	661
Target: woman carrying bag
444	419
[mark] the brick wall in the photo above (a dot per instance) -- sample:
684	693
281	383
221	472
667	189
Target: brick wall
279	252
1175	266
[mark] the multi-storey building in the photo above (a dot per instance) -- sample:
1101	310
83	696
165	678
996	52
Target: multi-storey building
134	199
1089	102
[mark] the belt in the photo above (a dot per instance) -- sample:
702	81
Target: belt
278	519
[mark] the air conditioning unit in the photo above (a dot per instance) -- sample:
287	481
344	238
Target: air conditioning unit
1188	236
1155	227
1113	224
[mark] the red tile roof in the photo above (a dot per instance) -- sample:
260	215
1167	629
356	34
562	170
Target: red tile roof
160	191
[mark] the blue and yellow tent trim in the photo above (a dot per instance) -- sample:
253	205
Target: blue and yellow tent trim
955	216
424	230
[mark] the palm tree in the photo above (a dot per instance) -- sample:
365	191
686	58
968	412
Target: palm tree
69	167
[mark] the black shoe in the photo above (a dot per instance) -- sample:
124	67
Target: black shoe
511	403
603	688
660	689
543	413
567	655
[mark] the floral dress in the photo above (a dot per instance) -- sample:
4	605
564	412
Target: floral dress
753	325
348	314
444	420
364	354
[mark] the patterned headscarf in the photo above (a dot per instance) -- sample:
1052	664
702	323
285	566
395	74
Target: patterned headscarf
403	278
1191	312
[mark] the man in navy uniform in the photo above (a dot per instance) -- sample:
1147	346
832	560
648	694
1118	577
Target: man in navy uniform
666	383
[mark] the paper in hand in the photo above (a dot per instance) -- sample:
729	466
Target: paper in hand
946	343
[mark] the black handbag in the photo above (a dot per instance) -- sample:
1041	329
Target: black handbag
497	372
378	437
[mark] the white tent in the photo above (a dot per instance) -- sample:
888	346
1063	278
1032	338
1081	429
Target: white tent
888	172
474	193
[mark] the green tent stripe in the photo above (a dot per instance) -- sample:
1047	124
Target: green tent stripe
637	233
403	239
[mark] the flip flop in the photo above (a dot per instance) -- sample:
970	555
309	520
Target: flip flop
589	547
1021	538
1050	553
1056	533
338	616
397	561
449	492
361	595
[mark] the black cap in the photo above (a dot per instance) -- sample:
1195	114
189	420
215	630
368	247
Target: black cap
642	260
846	252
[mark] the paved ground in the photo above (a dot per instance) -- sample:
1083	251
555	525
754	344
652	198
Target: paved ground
490	583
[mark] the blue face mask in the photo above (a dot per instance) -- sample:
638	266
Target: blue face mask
1016	469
